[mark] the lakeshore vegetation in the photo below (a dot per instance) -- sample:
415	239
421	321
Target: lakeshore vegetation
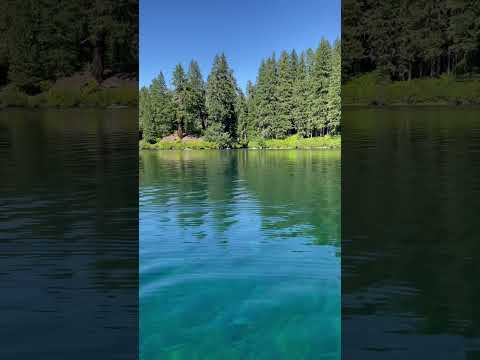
87	56
294	103
411	52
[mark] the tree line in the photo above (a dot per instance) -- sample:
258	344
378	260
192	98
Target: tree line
45	40
293	94
410	39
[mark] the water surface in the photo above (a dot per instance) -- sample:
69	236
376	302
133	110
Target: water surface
68	234
239	255
410	240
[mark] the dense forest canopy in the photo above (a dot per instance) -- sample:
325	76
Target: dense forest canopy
45	40
411	39
293	94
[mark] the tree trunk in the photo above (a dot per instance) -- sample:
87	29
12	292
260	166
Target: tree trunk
179	130
448	62
98	55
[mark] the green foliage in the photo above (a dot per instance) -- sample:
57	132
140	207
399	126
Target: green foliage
371	89
180	100
294	95
241	111
100	35
221	97
266	100
334	101
62	98
215	133
296	142
410	39
196	108
162	110
178	145
11	96
284	95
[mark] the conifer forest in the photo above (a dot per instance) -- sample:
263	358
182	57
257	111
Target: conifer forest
293	94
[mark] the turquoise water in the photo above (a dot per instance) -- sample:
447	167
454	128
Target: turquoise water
240	255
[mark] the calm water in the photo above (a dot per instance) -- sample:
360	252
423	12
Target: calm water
239	255
410	239
68	234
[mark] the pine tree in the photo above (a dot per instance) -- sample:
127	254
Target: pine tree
221	98
320	83
24	51
334	90
180	100
251	110
146	116
241	111
196	98
301	113
284	96
162	109
266	99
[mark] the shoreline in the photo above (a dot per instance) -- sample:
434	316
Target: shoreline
246	149
290	143
417	105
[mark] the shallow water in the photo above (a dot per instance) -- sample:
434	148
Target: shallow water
239	255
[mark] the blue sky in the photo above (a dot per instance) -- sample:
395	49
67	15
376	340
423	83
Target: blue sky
176	31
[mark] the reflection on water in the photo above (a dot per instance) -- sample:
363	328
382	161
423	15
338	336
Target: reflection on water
68	230
410	205
239	255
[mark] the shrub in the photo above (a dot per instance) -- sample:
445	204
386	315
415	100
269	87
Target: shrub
11	96
215	134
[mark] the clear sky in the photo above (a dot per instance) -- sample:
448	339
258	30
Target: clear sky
176	31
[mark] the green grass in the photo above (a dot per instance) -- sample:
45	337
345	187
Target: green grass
178	145
87	96
372	89
292	142
296	142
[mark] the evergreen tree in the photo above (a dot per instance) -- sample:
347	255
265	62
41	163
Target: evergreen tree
251	110
241	111
266	99
334	104
301	113
196	98
294	95
162	110
45	40
221	97
320	83
180	100
24	50
284	95
146	116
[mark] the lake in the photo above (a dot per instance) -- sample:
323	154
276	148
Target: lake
410	240
68	234
240	254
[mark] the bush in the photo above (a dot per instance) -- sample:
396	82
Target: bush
178	145
372	89
296	142
11	96
217	135
57	97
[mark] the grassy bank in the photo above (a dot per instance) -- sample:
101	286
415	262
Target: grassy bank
292	142
178	145
76	91
372	89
